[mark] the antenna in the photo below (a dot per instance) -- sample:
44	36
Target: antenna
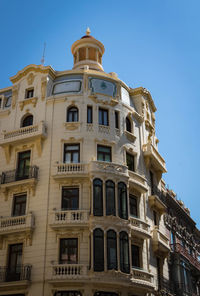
42	59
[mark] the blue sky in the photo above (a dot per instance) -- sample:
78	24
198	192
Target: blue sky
149	43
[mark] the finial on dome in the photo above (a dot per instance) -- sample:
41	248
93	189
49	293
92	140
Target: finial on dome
88	31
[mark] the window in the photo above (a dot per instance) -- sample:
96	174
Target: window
71	153
124	252
97	197
122	200
155	218
133	205
72	114
14	262
19	205
68	293
116	119
98	241
104	153
70	198
130	162
110	198
111	250
135	251
28	120
151	182
8	102
29	93
103	116
89	114
1	105
128	125
23	165
68	251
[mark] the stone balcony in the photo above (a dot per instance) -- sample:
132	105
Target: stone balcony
153	158
65	272
139	228
142	277
19	226
160	242
70	218
137	181
13	179
35	133
69	170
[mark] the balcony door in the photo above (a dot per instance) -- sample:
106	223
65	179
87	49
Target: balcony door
23	165
14	263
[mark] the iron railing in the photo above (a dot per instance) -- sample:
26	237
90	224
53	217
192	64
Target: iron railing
16	175
15	273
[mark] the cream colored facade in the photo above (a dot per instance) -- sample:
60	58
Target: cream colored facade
126	129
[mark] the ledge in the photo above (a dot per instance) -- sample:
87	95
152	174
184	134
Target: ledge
138	181
28	101
156	204
131	137
139	228
160	242
70	170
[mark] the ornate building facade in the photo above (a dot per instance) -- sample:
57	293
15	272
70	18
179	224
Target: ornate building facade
81	213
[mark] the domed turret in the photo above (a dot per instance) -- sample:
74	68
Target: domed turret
88	51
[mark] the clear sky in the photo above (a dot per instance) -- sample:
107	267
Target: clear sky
149	43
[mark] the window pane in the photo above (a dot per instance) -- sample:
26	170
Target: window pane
69	251
97	197
135	250
130	161
111	250
89	114
70	198
122	200
124	252
19	206
128	124
72	153
133	205
110	198
98	241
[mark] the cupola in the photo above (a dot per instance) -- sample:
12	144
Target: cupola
88	51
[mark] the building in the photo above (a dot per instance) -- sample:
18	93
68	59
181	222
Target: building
80	180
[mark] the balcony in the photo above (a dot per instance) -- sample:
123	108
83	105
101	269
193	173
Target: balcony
63	219
157	201
104	167
69	170
178	248
35	133
22	226
65	272
153	158
139	228
17	277
14	178
142	277
138	181
104	129
160	242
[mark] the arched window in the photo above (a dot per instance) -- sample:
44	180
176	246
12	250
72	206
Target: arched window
128	125
111	250
72	114
122	201
28	120
98	242
110	198
124	252
97	197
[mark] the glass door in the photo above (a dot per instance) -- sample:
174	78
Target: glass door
23	165
14	263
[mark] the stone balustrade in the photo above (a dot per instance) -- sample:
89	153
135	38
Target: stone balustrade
68	271
69	218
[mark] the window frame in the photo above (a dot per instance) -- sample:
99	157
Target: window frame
89	114
128	125
25	170
135	206
136	258
124	247
71	152
28	92
109	211
73	196
74	114
98	250
98	204
116	119
68	252
22	209
110	241
130	157
102	120
25	118
122	213
103	153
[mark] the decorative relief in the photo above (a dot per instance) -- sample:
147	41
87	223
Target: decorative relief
105	101
32	101
15	91
72	125
30	78
43	87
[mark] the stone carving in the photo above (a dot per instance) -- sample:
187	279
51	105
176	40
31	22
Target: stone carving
30	78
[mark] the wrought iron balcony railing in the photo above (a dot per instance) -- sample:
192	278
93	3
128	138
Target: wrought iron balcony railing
17	175
165	285
178	248
16	273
